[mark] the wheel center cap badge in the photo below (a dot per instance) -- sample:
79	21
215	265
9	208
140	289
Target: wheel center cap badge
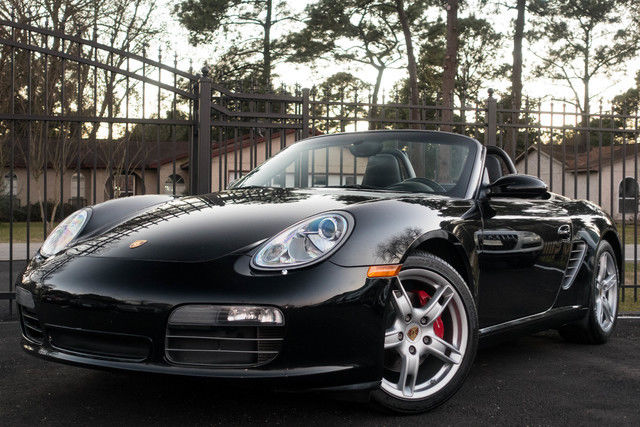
412	333
137	244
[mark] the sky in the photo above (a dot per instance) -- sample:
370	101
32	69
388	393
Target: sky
175	39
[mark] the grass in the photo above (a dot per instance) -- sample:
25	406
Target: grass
628	233
20	232
629	305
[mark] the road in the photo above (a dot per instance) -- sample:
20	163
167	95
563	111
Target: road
538	380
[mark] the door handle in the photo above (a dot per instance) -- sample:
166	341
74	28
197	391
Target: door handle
564	231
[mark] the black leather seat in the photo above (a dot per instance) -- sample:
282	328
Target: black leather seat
493	167
382	171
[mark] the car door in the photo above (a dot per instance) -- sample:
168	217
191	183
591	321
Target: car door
524	246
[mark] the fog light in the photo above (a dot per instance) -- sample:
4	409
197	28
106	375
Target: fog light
216	315
24	298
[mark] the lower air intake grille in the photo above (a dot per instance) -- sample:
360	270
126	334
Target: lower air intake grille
578	250
101	344
223	346
31	327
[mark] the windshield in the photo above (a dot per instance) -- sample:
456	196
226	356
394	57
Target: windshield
418	162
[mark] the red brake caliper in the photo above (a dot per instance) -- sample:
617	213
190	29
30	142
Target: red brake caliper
438	326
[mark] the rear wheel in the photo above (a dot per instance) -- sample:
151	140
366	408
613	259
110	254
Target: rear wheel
431	336
598	326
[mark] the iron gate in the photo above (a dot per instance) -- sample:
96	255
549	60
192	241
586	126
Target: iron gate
84	122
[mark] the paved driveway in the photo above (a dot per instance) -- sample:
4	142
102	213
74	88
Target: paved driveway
19	250
539	380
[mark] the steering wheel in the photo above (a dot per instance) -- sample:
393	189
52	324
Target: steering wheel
429	183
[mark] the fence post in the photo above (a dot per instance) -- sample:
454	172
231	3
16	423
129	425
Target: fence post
201	151
302	177
491	136
305	113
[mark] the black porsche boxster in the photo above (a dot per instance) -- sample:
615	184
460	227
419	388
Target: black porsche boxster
371	261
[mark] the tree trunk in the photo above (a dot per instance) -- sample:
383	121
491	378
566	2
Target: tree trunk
411	61
586	105
450	64
417	150
516	76
266	48
585	113
373	108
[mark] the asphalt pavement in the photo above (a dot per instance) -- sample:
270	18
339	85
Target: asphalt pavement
6	284
537	380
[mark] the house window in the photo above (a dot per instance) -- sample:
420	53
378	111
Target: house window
124	185
78	190
628	195
78	186
9	187
177	181
319	180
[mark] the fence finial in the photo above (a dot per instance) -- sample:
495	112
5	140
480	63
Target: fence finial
490	92
205	70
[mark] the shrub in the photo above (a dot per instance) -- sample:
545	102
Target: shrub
21	212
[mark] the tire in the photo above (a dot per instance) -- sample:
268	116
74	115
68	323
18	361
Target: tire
598	324
429	346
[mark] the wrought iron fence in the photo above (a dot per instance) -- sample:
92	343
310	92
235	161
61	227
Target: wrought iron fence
83	122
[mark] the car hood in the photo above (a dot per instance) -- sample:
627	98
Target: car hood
200	228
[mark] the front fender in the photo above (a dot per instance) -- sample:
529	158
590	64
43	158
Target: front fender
107	214
387	232
455	246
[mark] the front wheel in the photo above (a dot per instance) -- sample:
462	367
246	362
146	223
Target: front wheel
431	336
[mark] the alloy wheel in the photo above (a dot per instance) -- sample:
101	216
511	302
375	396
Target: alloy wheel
606	296
426	339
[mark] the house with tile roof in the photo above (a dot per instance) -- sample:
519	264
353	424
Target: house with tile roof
607	175
93	172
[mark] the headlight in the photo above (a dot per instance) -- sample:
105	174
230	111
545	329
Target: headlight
65	232
305	242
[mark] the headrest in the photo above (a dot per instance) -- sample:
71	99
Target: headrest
382	171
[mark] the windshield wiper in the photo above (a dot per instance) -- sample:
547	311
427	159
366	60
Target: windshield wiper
249	186
358	186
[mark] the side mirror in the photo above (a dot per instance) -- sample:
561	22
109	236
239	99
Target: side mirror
523	186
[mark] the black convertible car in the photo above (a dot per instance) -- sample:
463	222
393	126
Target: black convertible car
370	261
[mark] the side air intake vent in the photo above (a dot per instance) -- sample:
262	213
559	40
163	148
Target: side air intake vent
31	326
578	250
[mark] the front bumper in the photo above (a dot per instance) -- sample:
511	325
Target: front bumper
333	332
306	378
